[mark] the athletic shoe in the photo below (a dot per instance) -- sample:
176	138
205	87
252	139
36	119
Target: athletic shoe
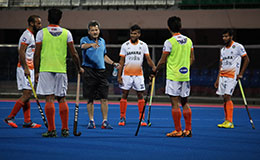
65	133
228	125
143	123
91	125
31	125
52	133
175	134
106	125
10	122
187	133
122	121
222	124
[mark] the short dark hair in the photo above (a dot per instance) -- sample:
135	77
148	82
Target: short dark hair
32	19
135	27
93	23
54	15
229	31
174	23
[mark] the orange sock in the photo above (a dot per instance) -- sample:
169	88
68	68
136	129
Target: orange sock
27	112
229	108
18	105
50	114
64	115
176	114
187	118
123	106
141	107
225	110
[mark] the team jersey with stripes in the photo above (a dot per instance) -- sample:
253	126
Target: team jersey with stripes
27	39
134	54
230	58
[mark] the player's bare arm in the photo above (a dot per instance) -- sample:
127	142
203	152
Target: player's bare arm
36	60
162	61
109	61
150	61
120	70
75	57
244	66
88	45
22	51
192	57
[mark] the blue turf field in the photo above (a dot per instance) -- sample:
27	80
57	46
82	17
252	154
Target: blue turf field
208	141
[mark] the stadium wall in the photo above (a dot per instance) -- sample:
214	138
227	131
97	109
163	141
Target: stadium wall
148	19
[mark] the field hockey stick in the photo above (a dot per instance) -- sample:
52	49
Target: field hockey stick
150	103
244	98
38	103
76	112
146	99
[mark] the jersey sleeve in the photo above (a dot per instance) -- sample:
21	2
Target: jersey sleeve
39	37
221	55
241	50
25	39
123	50
145	49
105	50
167	47
70	38
83	40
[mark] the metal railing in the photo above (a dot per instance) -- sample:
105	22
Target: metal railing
203	71
78	3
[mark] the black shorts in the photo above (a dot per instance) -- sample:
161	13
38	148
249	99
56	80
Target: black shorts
95	84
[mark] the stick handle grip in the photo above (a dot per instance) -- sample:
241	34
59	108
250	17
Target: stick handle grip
78	89
33	90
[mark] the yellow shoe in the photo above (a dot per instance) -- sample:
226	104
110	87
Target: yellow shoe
222	124
228	125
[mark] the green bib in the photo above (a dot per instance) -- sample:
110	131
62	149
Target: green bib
54	52
178	62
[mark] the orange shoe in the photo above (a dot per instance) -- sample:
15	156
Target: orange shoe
10	122
175	134
187	133
143	123
122	122
31	125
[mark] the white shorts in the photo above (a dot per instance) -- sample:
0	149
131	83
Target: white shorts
226	86
176	88
135	82
22	81
52	83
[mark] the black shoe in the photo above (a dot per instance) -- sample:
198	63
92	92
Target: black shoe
65	133
52	133
187	133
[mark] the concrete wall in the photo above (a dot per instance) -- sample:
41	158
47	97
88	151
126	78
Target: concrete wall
151	19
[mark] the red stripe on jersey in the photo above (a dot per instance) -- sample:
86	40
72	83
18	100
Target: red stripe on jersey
23	43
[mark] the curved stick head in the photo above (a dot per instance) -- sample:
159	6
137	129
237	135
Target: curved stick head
77	134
